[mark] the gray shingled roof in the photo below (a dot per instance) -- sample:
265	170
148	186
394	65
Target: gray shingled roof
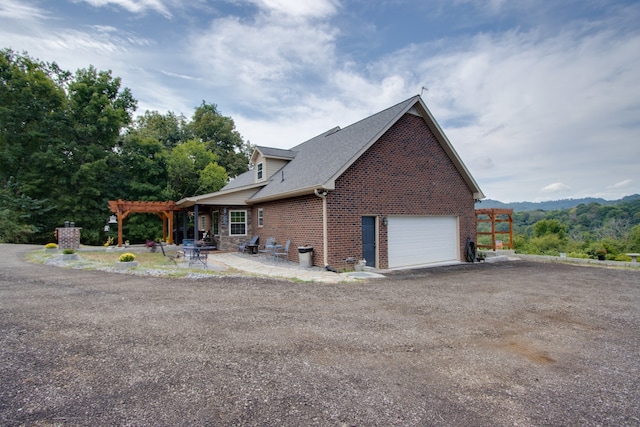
276	152
318	162
319	159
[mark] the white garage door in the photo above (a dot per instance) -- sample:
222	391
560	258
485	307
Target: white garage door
419	240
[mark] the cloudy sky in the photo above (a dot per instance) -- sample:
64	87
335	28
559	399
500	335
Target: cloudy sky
541	98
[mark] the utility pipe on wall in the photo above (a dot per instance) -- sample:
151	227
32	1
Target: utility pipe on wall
325	240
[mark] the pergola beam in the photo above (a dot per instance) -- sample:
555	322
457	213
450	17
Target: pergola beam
164	210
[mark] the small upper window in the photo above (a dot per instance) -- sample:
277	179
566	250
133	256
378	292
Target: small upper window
260	171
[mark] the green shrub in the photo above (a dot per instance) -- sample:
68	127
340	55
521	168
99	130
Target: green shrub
577	255
68	251
622	257
127	257
50	246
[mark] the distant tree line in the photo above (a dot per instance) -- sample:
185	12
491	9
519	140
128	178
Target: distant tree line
584	231
69	142
551	205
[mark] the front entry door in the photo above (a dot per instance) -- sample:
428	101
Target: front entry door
369	240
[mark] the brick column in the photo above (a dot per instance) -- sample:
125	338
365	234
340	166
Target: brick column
68	237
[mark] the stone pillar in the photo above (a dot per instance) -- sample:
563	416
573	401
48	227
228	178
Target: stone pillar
68	237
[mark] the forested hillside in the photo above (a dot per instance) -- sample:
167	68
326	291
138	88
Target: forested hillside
551	205
586	230
69	142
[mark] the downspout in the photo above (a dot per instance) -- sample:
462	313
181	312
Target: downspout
325	240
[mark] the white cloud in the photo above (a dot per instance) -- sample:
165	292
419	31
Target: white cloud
265	59
556	187
18	10
538	105
297	8
134	6
622	184
180	76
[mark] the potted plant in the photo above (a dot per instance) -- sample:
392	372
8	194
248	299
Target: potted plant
69	254
601	253
126	260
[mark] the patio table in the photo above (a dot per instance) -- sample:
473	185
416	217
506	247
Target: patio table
197	254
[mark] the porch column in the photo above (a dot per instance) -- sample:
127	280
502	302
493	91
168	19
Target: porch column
196	218
185	224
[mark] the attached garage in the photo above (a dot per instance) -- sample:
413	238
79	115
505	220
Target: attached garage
420	240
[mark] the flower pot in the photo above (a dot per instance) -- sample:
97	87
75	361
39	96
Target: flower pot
602	257
127	264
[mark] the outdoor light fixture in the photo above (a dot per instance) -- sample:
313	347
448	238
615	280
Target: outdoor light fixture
113	219
385	221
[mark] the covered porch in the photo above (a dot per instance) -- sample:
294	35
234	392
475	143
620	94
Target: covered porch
225	220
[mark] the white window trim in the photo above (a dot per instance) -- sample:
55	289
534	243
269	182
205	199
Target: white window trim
260	217
231	223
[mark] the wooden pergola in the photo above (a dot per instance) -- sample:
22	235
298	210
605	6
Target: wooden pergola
164	210
495	216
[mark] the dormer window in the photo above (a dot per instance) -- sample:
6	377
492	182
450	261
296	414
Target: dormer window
260	172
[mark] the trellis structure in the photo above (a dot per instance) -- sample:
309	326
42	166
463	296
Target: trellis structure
495	216
164	210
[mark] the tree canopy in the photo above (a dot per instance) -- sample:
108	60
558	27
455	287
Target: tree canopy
69	142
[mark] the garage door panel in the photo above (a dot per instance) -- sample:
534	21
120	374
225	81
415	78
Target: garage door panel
422	240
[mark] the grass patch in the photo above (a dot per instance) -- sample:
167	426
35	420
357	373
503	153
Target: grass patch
155	263
148	259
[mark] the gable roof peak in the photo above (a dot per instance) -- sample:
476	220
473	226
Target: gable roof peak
273	153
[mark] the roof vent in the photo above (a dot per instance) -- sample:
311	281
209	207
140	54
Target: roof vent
332	131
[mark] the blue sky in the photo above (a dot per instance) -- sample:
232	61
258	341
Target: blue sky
541	99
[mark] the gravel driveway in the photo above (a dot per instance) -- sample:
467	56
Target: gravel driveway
504	344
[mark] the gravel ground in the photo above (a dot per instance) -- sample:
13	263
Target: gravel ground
504	344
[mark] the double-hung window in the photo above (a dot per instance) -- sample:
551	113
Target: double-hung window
260	217
237	223
260	171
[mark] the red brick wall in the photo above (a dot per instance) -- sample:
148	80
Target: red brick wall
298	219
406	172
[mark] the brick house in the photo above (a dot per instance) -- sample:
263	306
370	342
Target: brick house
390	189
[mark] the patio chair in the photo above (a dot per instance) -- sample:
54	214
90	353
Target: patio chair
188	247
283	252
268	248
245	245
